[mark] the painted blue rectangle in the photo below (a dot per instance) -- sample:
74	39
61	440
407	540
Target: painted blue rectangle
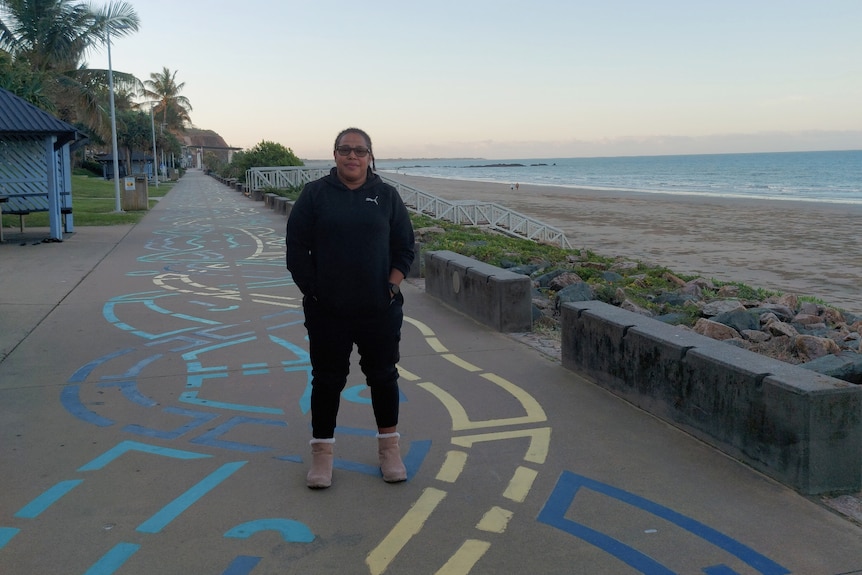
48	498
173	509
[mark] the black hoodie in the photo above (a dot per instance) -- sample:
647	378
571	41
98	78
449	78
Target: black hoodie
342	243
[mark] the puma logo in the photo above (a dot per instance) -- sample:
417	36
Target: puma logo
374	199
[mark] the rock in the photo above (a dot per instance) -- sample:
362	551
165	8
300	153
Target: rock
809	347
576	292
845	365
779	328
739	319
564	280
755	335
633	307
789	300
674	299
782	311
670	278
715	330
807	319
728	291
721	306
544	280
612	277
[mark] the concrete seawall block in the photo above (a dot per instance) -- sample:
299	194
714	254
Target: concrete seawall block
800	427
491	295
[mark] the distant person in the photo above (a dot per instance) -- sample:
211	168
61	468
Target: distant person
349	246
512	187
516	186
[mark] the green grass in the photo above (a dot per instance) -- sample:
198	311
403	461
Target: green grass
93	203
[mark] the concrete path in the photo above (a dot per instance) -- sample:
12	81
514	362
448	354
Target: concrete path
154	390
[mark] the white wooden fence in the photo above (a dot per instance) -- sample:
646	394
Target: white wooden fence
464	212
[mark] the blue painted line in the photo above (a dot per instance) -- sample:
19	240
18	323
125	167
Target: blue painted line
129	389
127	446
561	499
111	317
191	397
82	373
291	458
196	382
113	559
212	333
255	369
48	498
172	510
199	418
719	570
355	431
71	400
412	461
242	565
353	394
209	438
152	306
197	367
6	535
136	369
254	365
192	355
300	353
291	531
281	313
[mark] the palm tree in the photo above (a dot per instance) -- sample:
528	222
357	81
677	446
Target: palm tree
174	108
51	38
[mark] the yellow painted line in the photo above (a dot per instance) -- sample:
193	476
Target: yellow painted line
460	420
462	562
408	526
452	467
536	453
460	362
520	484
423	329
408	375
435	345
495	520
534	411
452	405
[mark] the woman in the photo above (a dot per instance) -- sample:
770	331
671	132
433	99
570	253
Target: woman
349	246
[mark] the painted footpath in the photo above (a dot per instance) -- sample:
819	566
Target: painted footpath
154	398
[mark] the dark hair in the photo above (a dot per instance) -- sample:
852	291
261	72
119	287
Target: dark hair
362	133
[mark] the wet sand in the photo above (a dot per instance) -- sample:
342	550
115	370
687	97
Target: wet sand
807	248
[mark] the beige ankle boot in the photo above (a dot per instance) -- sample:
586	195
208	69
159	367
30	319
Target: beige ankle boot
320	474
391	466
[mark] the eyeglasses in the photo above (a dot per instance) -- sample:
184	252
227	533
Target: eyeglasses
358	151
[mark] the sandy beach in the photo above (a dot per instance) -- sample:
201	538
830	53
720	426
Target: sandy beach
807	248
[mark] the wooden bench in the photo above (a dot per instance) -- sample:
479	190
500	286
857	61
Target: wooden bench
24	204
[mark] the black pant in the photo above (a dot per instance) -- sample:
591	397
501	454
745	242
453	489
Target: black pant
331	339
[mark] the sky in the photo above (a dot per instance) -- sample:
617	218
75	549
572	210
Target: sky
501	79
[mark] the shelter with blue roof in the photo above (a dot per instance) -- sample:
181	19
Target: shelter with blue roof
35	163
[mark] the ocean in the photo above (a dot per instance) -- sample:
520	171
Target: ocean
834	177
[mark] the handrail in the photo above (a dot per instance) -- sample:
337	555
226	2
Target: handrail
463	212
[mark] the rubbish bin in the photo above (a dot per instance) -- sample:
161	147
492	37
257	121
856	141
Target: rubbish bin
136	194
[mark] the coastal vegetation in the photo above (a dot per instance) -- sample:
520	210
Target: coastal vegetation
44	49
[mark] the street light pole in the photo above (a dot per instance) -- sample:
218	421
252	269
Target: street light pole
153	124
118	207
